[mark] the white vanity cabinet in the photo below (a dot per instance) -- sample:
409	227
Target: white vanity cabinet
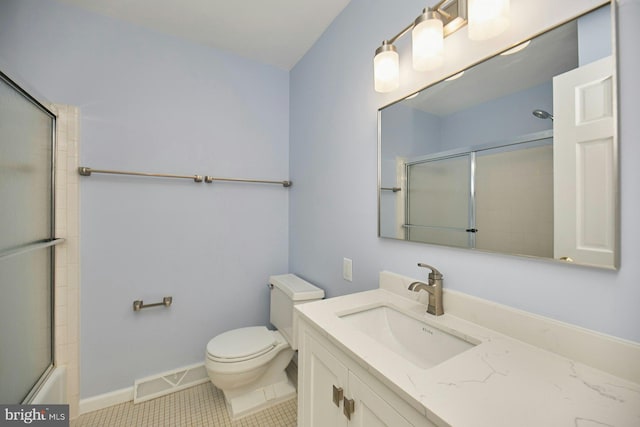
501	381
331	381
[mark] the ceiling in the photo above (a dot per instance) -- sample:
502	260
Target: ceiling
275	32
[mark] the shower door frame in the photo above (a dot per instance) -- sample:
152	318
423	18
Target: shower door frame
471	216
49	242
471	151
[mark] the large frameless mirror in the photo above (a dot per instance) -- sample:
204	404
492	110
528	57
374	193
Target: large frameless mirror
514	155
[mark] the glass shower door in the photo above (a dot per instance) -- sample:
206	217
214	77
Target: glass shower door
439	201
26	242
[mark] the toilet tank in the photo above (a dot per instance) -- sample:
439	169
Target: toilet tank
287	290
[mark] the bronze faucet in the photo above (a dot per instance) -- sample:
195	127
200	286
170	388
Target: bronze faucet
434	287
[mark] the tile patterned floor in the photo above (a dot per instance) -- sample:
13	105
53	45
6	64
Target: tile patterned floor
198	406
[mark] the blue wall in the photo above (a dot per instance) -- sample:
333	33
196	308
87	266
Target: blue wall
333	209
154	103
409	132
593	31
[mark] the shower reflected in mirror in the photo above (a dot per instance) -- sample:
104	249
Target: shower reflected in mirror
488	161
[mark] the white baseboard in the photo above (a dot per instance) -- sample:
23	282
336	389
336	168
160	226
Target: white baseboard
105	400
186	377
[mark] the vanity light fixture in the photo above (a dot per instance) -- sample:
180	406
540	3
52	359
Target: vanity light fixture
427	39
488	18
386	66
428	32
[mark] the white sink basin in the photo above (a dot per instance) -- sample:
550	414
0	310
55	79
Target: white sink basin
416	341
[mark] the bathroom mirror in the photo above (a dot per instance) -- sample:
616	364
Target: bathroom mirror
514	155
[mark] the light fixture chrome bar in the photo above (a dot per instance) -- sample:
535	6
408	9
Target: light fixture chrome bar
85	171
404	31
449	11
455	14
30	247
210	179
434	8
394	189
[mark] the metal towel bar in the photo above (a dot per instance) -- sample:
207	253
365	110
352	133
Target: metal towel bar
86	171
210	179
139	305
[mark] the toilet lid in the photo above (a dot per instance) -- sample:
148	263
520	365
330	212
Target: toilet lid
242	343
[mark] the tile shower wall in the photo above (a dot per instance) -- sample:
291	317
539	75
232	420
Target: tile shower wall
67	289
151	102
514	207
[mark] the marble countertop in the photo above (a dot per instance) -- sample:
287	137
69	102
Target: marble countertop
501	381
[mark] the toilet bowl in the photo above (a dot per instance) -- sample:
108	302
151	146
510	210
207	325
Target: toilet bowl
248	364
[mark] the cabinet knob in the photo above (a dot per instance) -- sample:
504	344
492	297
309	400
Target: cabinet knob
349	407
338	394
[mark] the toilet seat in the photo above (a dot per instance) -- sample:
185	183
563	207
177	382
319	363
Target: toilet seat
241	344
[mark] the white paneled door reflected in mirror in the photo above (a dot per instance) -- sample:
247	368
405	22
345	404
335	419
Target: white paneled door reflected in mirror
514	155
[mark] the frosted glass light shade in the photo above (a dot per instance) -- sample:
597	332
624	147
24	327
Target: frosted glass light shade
386	69
487	18
428	44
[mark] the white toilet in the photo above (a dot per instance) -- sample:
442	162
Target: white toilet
248	364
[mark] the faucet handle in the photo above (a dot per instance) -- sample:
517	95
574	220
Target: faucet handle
435	274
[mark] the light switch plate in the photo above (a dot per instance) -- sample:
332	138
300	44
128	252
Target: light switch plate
347	269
